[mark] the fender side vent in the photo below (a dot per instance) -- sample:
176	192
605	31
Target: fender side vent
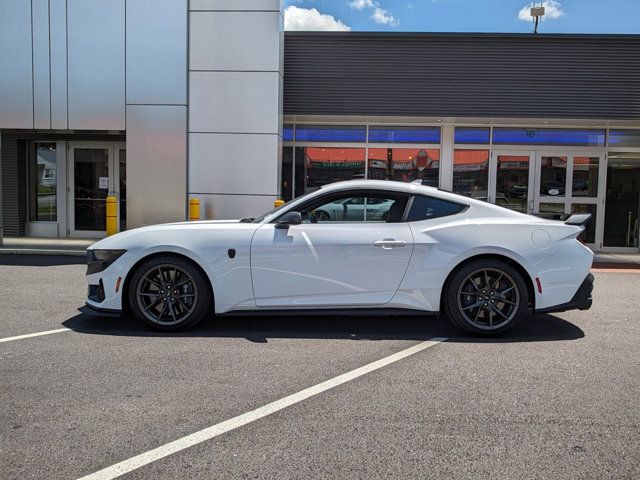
232	253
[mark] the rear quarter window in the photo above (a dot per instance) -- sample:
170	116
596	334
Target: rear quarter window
425	208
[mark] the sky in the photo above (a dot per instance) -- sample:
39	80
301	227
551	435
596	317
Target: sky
562	16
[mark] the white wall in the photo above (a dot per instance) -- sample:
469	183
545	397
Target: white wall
235	102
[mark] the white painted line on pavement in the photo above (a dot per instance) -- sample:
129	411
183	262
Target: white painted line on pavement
208	433
37	334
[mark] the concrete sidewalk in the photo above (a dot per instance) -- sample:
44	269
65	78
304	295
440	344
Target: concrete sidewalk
45	246
616	260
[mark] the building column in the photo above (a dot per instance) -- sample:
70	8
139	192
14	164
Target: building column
235	105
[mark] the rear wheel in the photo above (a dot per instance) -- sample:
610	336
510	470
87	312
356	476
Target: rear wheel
169	293
486	297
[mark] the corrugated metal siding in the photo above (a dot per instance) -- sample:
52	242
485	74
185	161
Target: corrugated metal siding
14	200
560	76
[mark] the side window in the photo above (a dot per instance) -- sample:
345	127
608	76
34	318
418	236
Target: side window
424	208
360	208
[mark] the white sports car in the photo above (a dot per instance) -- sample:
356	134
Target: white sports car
430	251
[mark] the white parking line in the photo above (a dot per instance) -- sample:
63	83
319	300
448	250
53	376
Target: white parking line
37	334
208	433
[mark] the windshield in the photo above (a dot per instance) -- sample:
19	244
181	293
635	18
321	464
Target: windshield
272	213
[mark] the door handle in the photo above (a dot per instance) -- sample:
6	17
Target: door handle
389	243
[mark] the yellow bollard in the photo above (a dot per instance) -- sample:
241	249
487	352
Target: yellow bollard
194	209
112	215
278	203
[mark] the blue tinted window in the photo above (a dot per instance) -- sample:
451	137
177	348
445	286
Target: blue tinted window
548	136
404	135
471	135
330	133
287	133
624	138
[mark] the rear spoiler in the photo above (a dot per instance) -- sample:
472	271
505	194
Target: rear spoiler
578	220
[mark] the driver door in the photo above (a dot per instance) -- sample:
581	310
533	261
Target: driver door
352	261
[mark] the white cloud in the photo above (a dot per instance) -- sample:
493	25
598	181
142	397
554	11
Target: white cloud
552	10
296	18
378	14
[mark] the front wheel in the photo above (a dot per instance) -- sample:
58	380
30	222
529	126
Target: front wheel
169	293
486	297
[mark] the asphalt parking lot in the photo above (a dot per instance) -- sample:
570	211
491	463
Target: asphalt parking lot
557	398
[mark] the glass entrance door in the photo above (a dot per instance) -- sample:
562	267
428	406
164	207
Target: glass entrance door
94	173
511	180
622	208
568	183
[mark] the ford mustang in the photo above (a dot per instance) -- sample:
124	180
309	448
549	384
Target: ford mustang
430	251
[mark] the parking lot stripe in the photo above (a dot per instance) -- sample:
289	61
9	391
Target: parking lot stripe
37	334
208	433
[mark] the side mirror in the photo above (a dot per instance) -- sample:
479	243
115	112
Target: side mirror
288	219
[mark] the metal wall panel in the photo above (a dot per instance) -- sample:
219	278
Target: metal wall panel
157	51
156	164
216	45
58	41
473	75
96	75
237	5
41	80
16	81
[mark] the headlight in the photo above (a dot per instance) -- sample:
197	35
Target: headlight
99	260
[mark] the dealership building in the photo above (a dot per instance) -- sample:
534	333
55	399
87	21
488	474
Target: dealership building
156	102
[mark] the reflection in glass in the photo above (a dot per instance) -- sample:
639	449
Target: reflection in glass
512	182
589	233
286	174
624	138
471	135
330	133
553	176
552	211
323	165
404	134
122	160
548	136
622	207
470	173
585	176
405	164
90	188
42	191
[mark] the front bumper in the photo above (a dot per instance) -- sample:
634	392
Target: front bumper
582	299
106	287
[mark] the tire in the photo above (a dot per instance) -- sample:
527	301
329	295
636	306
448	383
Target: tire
486	308
169	309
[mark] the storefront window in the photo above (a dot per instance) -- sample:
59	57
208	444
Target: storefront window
287	174
552	211
624	138
585	176
548	136
589	233
405	164
287	133
553	176
404	134
43	181
470	173
330	133
512	182
472	135
622	206
318	166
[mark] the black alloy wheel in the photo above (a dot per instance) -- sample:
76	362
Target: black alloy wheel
486	297
169	293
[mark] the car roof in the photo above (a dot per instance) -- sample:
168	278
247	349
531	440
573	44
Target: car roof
392	185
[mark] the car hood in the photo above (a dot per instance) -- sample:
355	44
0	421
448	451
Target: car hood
178	234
